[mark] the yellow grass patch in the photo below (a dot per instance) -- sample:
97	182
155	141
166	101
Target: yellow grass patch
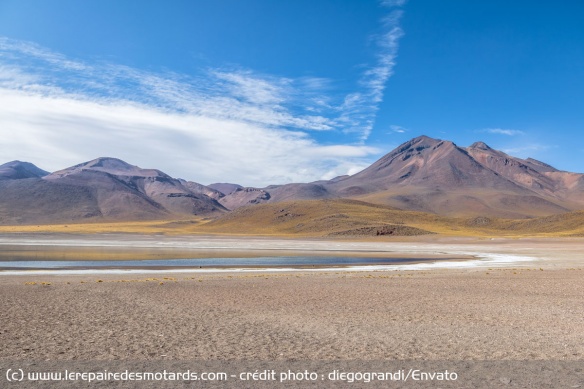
338	219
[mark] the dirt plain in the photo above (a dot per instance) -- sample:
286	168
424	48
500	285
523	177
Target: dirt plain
491	311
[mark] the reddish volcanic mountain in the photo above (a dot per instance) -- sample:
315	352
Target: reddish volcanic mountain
423	174
438	176
105	188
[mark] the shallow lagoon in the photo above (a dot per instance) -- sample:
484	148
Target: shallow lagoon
93	254
289	261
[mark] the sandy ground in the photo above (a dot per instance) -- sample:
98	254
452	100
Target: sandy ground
443	314
527	311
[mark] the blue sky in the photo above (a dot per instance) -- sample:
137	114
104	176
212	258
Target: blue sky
260	92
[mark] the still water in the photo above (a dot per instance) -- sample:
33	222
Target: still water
293	261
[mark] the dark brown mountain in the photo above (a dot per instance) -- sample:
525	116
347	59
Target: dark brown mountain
105	188
17	170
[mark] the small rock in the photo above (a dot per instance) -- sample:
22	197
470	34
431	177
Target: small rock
505	380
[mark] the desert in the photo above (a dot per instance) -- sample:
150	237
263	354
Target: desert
514	300
291	194
121	267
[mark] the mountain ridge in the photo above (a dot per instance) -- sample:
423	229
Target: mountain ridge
422	174
103	188
434	175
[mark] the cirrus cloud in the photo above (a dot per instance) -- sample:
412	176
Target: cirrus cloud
502	131
228	126
224	124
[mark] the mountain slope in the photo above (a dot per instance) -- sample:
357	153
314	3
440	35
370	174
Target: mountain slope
529	174
17	170
352	218
339	217
535	175
37	201
197	188
437	176
121	188
423	174
104	188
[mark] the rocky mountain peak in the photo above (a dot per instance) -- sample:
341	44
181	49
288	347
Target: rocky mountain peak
480	146
108	165
19	170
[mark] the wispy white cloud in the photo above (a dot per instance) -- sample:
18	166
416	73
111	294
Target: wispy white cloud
11	47
398	129
59	131
393	3
248	87
224	126
503	131
234	94
360	108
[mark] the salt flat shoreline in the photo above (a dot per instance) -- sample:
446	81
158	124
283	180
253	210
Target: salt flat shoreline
543	252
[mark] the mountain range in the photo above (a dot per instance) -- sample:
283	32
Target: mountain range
437	176
101	189
423	174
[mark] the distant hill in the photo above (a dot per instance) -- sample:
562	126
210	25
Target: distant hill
17	170
104	188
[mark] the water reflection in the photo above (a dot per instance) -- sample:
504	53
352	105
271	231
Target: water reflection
296	261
